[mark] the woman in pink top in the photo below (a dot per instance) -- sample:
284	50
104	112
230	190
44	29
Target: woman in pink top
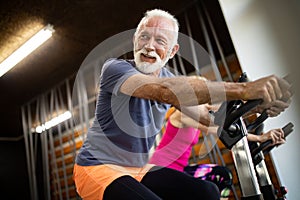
175	147
183	139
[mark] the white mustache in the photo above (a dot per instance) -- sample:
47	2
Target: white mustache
150	54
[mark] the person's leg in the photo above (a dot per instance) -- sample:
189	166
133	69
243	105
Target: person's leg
171	184
219	175
222	177
127	188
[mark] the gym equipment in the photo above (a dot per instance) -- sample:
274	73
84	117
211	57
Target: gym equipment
232	133
265	147
257	153
254	179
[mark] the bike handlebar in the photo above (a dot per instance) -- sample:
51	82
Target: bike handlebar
243	109
287	129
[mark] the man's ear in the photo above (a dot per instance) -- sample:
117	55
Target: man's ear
174	50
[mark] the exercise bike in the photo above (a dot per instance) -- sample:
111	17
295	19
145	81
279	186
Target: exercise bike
258	152
254	179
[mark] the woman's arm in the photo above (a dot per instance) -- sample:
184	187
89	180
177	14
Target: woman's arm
180	120
276	135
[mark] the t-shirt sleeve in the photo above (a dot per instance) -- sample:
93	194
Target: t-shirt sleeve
114	73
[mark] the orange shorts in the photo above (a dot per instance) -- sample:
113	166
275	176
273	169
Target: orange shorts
91	181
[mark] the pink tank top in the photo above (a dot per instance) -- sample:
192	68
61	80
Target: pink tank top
175	147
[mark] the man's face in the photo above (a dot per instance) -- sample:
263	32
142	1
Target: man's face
152	44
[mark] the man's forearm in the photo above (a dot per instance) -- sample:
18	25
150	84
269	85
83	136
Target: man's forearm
187	91
191	91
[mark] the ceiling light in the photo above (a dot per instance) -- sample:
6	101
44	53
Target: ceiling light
53	122
33	43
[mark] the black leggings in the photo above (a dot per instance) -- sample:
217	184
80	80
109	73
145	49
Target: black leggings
162	183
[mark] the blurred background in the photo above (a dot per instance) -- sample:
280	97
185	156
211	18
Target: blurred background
60	77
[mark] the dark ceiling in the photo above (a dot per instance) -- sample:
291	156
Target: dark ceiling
79	25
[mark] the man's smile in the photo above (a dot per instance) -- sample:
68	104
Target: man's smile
147	58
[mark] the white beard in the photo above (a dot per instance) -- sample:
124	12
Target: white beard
146	67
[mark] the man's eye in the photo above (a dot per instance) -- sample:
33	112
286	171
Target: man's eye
160	41
144	37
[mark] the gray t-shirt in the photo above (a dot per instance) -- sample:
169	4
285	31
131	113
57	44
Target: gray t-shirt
125	127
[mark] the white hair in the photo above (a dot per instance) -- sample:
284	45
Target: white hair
160	13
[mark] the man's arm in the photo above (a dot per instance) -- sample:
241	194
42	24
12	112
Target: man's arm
190	91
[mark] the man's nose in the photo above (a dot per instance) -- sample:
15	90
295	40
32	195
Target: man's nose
149	46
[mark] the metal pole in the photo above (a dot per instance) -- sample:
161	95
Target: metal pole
217	43
211	158
85	101
44	140
209	46
181	64
69	104
245	168
224	164
195	60
25	132
196	64
55	169
175	67
61	146
80	106
32	159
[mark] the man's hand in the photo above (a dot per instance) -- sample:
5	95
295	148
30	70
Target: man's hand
274	91
273	108
269	89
